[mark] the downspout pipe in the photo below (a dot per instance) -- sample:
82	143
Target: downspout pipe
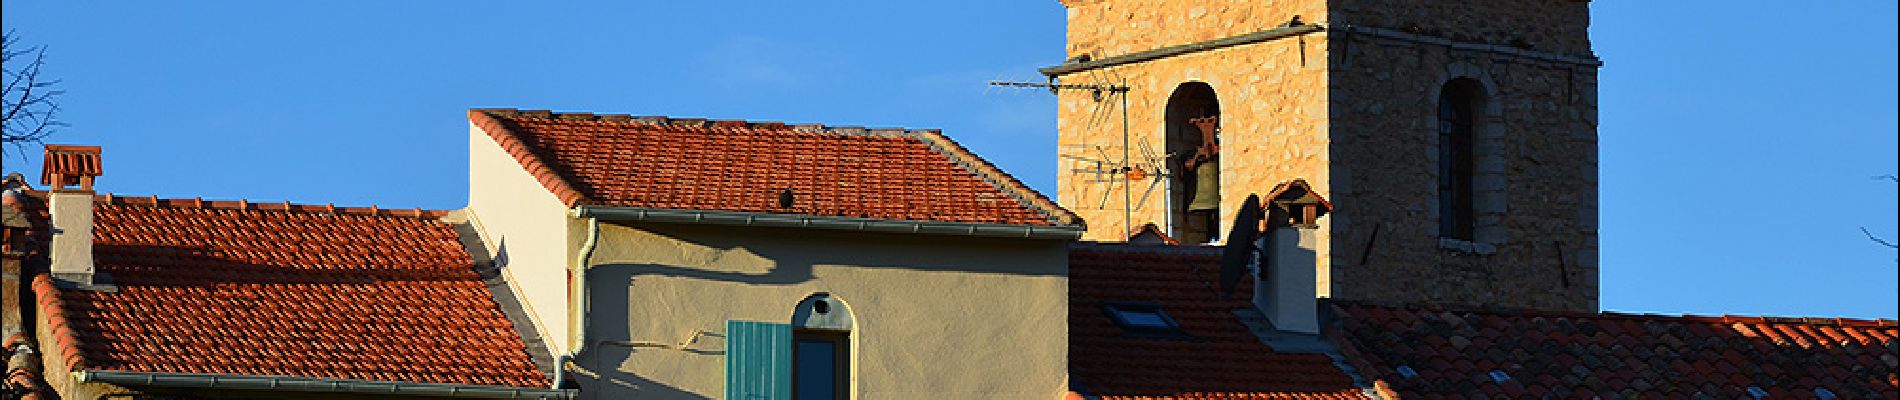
577	301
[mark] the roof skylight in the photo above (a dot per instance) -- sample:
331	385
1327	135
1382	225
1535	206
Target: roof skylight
1143	318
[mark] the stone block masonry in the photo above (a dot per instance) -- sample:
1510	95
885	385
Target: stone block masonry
1352	109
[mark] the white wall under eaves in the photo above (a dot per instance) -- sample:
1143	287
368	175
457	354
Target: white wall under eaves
527	229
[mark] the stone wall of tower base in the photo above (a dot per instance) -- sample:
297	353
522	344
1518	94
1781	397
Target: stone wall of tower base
1536	182
1353	110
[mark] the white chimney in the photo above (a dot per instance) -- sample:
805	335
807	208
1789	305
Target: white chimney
1287	288
68	172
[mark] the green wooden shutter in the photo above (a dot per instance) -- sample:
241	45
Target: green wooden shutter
758	361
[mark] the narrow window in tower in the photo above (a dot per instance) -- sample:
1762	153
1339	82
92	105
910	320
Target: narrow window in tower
1457	120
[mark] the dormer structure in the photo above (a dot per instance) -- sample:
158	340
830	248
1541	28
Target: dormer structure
1457	138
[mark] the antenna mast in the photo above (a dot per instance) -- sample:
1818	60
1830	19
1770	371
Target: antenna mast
1098	90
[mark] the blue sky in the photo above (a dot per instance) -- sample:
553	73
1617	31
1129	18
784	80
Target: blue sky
1738	139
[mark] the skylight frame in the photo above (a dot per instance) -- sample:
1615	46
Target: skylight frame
1117	310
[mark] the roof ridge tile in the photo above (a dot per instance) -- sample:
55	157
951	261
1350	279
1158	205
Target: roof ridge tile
487	120
556	154
996	176
153	201
1618	315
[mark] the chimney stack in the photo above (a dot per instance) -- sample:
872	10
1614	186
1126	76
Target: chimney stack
1287	288
68	173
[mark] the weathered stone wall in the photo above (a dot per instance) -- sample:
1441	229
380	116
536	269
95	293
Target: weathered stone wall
1272	99
1106	28
1537	133
1354	113
1559	26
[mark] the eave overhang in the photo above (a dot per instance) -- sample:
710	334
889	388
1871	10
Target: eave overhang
838	223
319	385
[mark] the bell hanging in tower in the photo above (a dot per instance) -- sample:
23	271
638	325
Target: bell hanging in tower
1206	187
1207	172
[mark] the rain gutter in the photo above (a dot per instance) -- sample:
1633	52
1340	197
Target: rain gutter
321	385
1171	51
855	224
1292	30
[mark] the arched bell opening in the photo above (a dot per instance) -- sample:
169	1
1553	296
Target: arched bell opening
1194	157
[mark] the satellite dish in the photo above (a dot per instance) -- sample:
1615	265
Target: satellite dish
1240	244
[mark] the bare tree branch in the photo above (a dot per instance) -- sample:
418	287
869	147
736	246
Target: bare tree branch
28	108
1877	239
1870	234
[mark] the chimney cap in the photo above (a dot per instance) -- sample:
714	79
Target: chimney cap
1302	205
68	165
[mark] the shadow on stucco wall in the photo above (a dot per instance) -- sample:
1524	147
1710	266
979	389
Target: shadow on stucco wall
659	292
604	374
610	341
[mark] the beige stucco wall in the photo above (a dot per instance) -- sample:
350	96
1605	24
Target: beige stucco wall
1272	97
936	317
527	230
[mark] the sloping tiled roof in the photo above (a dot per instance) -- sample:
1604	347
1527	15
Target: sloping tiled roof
1425	353
22	380
281	289
694	164
1223	361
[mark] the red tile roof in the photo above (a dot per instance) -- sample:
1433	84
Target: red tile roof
22	379
658	162
1451	354
1150	234
284	289
1225	361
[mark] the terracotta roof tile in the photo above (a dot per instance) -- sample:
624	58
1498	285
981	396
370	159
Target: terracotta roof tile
672	163
1437	353
285	289
1224	360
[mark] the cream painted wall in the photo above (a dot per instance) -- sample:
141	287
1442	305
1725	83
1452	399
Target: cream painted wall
527	229
937	317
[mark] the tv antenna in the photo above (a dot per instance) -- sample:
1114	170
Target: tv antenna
1096	160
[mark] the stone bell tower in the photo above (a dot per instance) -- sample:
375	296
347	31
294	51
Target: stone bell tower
1456	139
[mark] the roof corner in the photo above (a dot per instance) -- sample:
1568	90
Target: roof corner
996	176
490	121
